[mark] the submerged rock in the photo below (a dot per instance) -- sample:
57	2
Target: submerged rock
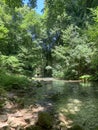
34	128
45	120
76	127
96	128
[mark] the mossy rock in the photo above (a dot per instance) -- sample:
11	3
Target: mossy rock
45	120
75	127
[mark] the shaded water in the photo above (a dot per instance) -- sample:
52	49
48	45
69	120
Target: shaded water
78	101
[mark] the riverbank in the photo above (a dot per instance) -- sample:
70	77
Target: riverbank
19	114
54	79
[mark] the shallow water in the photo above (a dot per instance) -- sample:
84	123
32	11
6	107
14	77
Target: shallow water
78	101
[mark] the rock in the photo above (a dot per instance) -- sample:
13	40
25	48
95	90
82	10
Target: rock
3	118
15	122
8	105
27	117
27	120
62	126
64	121
45	120
17	114
4	126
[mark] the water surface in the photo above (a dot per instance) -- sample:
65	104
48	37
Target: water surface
78	101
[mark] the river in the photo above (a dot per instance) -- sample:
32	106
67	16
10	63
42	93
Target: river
78	101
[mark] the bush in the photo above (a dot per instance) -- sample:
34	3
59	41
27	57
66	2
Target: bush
95	77
13	81
58	74
70	74
85	78
65	73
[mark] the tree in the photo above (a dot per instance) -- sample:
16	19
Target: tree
18	3
60	13
75	55
18	39
93	36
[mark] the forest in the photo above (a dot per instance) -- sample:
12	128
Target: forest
61	43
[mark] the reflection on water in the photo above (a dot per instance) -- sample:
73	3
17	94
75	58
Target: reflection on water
79	101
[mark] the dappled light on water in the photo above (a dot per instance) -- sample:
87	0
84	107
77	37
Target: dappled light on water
78	101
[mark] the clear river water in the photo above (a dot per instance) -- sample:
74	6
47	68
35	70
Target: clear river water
78	101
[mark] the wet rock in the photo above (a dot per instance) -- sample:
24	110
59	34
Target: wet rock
3	118
45	120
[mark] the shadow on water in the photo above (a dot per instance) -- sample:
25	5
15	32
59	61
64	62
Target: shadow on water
78	101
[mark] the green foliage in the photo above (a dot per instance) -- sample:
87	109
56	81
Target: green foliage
60	36
18	3
65	12
76	45
85	78
19	50
58	74
3	32
70	73
13	81
93	36
75	54
10	63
